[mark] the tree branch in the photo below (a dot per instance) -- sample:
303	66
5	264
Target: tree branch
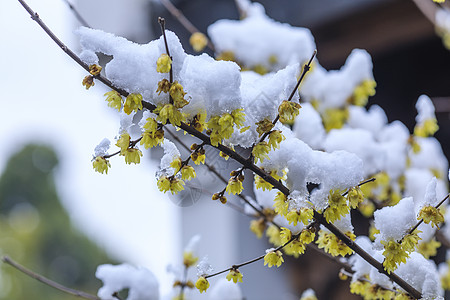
47	281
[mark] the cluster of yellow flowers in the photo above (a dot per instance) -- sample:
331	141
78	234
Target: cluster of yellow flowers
101	164
153	134
234	185
273	258
397	252
287	111
374	291
304	215
362	92
234	275
337	206
332	244
132	155
222	127
431	214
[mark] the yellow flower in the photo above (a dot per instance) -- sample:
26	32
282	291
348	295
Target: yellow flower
170	184
189	259
176	186
177	93
198	121
281	204
132	103
264	126
359	287
260	151
202	284
198	41
114	99
410	241
176	164
163	86
221	127
445	279
88	82
273	233
288	110
238	117
198	157
101	165
285	235
431	214
95	69
428	128
304	215
163	184
334	118
439	1
227	56
258	227
273	258
332	244
168	112
355	197
363	91
234	186
394	255
219	196
307	236
234	275
275	138
261	183
337	206
133	155
123	142
187	173
164	63
428	249
295	248
151	139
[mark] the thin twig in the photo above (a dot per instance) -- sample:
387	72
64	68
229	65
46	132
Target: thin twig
77	14
47	281
421	220
183	20
360	184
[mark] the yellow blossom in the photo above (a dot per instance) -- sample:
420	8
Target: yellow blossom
164	63
238	117
177	93
273	258
295	248
258	227
234	275
332	244
168	112
189	259
219	196
439	1
123	142
394	255
260	69
303	215
273	233
431	214
234	186
171	184
288	110
275	138
202	284
264	126
133	155
114	99
188	173
334	118
227	56
260	151
359	287
163	184
151	139
261	183
88	82
101	165
428	249
95	69
402	296
355	197
198	121
132	103
410	241
337	206
285	235
307	236
363	91
198	41
198	157
445	279
163	86
176	186
281	204
176	164
427	128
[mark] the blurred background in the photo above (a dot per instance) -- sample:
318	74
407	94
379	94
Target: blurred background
61	219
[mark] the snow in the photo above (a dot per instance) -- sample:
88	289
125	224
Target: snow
225	290
142	284
102	148
170	153
425	109
308	126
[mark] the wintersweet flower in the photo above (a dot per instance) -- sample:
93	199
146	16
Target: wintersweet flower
133	155
177	93
163	184
307	236
363	91
394	255
273	233
234	186
176	164
427	128
219	196
101	165
151	139
198	157
88	82
264	126
163	86
168	112
331	244
189	259
198	121
288	110
334	118
260	151
234	275
238	117
337	206
132	103
171	184
273	258
303	215
275	138
431	214
202	284
123	142
428	249
285	235
95	69
355	197
295	248
164	63
281	204
188	173
198	41
262	184
114	99
410	241
258	227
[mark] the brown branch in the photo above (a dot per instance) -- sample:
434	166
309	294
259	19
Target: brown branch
366	256
428	9
183	20
47	281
